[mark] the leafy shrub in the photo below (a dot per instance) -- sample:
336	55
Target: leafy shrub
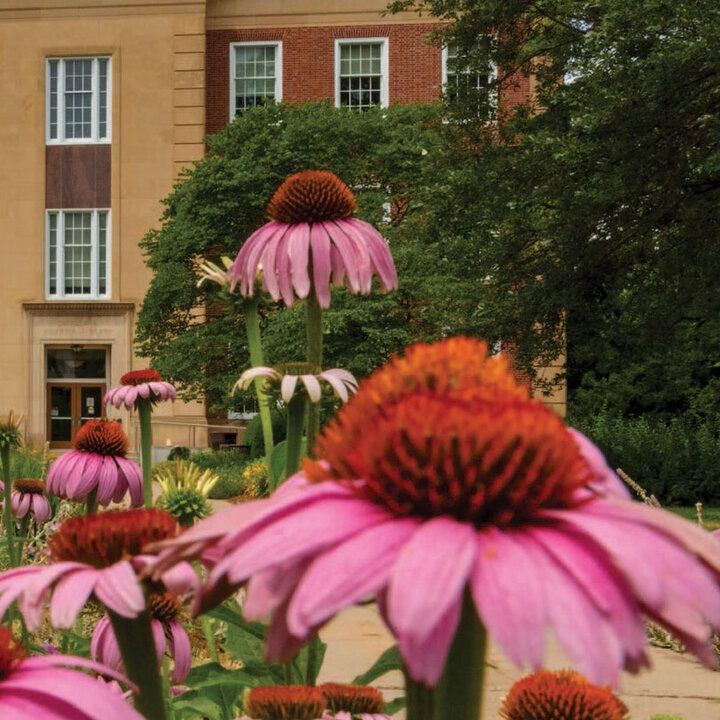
253	432
228	466
677	461
25	463
255	478
179	452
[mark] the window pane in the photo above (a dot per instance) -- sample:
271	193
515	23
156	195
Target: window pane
102	253
53	78
255	75
103	97
78	99
77	248
360	75
52	254
87	363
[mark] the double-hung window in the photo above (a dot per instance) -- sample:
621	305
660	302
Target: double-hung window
78	254
255	74
78	100
361	73
468	82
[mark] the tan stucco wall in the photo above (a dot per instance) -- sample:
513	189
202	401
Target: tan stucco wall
283	13
157	51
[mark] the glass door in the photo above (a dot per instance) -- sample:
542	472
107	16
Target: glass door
71	405
60	415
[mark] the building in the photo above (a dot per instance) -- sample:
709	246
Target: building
104	102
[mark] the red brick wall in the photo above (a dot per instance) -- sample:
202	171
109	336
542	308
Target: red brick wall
308	58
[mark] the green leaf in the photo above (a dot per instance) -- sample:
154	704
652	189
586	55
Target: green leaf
394	706
191	705
390	660
219	686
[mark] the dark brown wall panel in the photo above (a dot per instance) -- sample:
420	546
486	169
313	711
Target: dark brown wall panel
77	176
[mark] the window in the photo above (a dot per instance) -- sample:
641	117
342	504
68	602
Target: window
468	83
361	73
78	254
255	75
78	100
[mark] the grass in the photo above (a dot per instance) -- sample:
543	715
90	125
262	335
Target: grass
710	515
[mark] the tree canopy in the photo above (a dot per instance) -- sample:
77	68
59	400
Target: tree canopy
595	205
195	335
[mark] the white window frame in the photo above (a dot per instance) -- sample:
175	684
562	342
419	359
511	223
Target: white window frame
384	65
492	92
277	44
94	294
95	137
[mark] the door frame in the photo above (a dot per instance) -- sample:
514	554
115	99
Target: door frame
75	408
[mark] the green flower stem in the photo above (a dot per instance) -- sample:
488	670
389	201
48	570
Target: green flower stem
420	699
9	520
295	424
458	695
314	331
167	686
135	639
252	328
144	408
312	660
22	538
206	625
91	504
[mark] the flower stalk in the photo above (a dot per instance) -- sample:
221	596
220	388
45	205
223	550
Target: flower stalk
137	646
144	408
458	695
91	504
295	425
9	520
314	332
252	328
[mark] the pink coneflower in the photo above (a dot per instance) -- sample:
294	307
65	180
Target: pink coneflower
341	381
284	702
28	497
96	555
312	229
168	633
40	688
139	385
347	702
97	464
452	483
560	695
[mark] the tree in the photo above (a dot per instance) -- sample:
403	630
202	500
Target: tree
594	207
195	336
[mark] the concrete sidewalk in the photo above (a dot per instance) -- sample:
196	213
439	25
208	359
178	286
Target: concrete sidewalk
676	684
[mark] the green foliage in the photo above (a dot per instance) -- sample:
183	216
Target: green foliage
228	466
594	206
186	505
25	463
665	717
255	478
677	461
179	453
244	641
221	201
253	436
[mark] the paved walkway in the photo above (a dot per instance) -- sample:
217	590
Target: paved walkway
676	685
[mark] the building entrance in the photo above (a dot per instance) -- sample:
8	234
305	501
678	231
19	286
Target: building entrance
76	384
